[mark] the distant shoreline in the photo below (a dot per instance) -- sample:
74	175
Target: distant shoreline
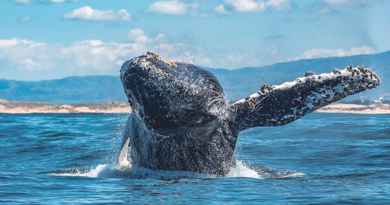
378	108
12	107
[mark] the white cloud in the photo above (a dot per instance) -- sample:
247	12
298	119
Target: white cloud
251	5
28	59
323	53
95	56
171	7
87	13
246	5
20	52
8	42
221	9
138	36
337	2
278	4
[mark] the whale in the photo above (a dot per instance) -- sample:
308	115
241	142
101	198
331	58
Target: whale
182	121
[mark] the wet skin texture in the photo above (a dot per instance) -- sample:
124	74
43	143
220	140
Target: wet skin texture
182	121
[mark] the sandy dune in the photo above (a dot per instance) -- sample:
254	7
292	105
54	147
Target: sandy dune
378	108
26	107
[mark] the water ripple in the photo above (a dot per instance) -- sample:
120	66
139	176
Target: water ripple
321	159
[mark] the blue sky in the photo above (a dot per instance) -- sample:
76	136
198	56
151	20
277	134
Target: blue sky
45	39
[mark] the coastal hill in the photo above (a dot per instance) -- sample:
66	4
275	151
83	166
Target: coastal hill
237	83
86	89
241	82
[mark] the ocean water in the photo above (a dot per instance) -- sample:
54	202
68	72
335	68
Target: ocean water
320	159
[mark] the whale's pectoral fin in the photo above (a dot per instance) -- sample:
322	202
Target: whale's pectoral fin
281	104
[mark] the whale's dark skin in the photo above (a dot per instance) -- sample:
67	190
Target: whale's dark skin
182	121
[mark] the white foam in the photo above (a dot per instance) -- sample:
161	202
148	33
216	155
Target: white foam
123	167
292	175
92	173
242	170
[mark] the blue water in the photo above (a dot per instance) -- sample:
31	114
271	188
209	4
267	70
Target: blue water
321	159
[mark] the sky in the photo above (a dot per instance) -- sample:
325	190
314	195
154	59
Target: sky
49	39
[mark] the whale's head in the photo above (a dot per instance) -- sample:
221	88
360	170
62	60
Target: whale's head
170	94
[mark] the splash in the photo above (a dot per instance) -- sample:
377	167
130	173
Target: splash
92	173
121	170
123	167
242	170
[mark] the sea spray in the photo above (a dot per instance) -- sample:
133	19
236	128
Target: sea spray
122	166
77	172
242	170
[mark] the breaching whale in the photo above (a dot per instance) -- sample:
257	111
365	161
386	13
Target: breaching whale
181	120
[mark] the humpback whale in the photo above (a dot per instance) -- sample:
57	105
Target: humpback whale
181	120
